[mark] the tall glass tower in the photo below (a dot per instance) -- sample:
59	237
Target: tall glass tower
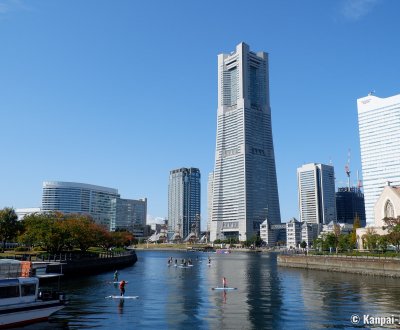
316	192
379	126
184	203
245	190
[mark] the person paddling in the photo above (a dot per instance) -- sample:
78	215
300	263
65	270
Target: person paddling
224	282
122	287
116	276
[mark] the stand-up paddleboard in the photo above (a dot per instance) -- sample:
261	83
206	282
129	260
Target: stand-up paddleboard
183	266
126	282
223	288
122	297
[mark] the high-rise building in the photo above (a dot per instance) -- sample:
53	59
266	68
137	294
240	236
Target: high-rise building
349	205
245	189
71	197
131	215
184	203
316	193
103	204
210	189
379	126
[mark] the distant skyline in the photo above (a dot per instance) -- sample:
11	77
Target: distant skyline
117	94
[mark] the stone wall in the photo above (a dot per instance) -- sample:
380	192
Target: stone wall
347	264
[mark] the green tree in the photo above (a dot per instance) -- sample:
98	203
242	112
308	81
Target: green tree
303	244
45	230
370	239
9	225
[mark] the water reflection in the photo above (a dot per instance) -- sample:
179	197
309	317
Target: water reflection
268	296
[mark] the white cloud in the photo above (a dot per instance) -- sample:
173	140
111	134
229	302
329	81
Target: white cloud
152	219
356	9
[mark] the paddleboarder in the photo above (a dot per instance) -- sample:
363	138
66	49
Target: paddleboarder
116	276
224	282
122	287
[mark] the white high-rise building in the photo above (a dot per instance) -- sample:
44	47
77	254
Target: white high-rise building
245	189
73	197
316	193
379	126
210	189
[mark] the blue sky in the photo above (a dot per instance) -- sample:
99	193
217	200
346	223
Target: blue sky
118	93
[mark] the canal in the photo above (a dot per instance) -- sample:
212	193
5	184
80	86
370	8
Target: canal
267	296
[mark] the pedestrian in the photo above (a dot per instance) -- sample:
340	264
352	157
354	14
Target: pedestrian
122	287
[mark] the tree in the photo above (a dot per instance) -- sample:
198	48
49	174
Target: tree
81	230
370	239
353	235
45	230
303	244
9	225
393	226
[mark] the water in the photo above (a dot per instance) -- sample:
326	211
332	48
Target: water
268	296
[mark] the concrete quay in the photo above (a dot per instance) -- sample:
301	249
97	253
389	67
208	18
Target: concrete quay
347	264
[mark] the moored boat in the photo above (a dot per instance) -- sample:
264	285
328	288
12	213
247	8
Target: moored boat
21	299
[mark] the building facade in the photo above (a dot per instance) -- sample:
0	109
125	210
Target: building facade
349	205
316	193
273	234
103	204
293	233
210	189
132	215
245	187
184	203
379	127
72	197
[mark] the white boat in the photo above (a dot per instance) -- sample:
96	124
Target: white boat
21	300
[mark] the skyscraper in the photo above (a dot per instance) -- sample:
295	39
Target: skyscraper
210	185
316	191
245	189
184	203
379	126
349	205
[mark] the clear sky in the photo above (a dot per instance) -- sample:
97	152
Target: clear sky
118	93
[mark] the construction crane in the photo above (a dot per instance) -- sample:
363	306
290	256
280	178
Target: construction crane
347	170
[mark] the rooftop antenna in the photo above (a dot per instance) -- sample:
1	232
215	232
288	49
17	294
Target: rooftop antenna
347	169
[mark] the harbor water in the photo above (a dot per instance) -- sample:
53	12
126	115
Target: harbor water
267	296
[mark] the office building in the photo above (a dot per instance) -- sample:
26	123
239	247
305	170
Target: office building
71	197
184	203
103	204
132	215
316	193
349	205
245	187
210	184
379	127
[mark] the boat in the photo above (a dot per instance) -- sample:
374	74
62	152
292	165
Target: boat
21	299
223	251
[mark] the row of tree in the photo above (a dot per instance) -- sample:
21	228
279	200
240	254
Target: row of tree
55	232
370	240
